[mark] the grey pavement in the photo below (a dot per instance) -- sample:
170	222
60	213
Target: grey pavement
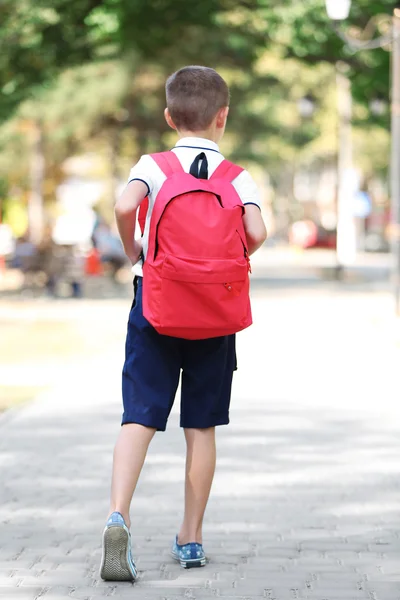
305	503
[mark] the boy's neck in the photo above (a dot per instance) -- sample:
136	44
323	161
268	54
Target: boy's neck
205	135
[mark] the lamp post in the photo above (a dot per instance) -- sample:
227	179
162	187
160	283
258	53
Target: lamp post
346	244
395	162
338	10
306	106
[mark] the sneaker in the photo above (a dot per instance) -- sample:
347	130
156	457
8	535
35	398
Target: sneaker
117	562
189	555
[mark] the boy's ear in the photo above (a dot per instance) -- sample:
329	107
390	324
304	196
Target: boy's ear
169	120
222	116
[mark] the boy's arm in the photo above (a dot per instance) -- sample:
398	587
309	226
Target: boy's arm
125	215
253	222
254	227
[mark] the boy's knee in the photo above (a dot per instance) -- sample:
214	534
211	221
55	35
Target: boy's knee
206	433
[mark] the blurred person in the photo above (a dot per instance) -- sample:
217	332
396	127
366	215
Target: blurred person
63	263
48	260
24	253
110	248
71	235
197	108
74	269
26	259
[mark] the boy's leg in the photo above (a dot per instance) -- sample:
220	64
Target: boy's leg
206	390
117	563
149	381
200	468
129	454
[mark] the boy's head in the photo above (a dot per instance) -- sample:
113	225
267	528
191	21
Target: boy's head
197	101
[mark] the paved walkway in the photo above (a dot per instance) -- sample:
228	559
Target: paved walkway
306	496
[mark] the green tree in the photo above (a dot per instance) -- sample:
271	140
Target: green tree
93	72
38	39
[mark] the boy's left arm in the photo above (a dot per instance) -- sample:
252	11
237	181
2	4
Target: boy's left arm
253	222
125	215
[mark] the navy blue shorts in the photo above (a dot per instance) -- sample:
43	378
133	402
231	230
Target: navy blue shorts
153	366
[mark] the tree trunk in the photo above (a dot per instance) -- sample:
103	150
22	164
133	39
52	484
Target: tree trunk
37	172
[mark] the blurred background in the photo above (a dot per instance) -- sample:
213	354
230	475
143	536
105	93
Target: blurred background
306	496
82	97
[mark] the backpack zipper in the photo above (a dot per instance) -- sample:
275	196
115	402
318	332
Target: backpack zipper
246	253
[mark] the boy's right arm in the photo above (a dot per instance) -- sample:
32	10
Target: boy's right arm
125	215
139	186
254	227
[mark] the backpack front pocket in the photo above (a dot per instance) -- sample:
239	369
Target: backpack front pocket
204	294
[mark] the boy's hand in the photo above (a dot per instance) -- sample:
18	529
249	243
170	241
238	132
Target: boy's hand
135	253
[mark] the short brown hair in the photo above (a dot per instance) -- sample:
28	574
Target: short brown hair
194	96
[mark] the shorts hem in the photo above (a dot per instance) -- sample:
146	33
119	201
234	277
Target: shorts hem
145	422
205	424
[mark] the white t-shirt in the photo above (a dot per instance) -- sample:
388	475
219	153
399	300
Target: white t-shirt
186	150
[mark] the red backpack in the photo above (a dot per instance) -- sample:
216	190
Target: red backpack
196	272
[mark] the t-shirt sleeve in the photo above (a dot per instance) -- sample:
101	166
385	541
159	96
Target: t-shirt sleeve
247	189
142	171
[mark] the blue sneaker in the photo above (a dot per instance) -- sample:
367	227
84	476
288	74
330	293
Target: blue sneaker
189	555
117	562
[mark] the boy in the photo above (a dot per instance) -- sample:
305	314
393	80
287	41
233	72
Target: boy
197	108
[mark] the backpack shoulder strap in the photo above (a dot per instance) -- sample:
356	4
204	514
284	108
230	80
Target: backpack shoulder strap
227	170
143	208
168	162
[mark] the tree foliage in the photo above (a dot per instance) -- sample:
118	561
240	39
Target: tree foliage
92	72
40	38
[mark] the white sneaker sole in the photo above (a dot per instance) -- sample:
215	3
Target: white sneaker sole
115	563
191	563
